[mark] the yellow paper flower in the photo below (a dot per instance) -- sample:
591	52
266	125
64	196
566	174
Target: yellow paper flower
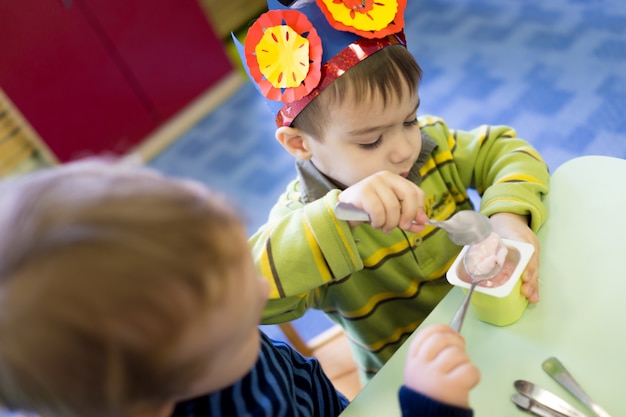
283	54
283	57
368	18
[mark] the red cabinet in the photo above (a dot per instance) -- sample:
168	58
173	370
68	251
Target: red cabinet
98	75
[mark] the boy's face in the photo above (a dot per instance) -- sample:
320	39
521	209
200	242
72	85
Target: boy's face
228	331
366	137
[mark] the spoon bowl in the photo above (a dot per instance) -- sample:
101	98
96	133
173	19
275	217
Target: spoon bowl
465	227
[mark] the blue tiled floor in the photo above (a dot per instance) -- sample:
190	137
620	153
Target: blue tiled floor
556	71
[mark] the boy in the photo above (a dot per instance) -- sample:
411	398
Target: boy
351	124
127	294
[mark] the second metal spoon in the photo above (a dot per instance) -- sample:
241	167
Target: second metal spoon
557	371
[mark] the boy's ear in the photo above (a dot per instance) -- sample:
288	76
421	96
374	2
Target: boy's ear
294	141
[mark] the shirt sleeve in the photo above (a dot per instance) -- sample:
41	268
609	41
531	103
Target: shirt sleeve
300	238
413	403
507	172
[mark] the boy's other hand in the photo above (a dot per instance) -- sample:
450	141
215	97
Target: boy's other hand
438	366
515	227
390	200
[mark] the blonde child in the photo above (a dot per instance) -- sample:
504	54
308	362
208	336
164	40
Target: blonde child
128	294
349	119
124	293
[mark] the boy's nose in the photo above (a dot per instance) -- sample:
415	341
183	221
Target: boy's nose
402	149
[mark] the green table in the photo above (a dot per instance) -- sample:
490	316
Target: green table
581	318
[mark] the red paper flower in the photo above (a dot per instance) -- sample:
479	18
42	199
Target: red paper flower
368	18
284	54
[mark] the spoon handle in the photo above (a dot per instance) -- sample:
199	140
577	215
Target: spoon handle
457	320
346	211
438	223
557	371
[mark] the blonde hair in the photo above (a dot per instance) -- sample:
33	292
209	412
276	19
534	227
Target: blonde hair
101	269
386	72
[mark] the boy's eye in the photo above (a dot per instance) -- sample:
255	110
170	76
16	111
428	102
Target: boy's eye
372	145
411	123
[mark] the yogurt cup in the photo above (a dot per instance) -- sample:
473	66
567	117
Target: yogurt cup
497	301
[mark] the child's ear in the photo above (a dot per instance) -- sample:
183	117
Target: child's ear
294	141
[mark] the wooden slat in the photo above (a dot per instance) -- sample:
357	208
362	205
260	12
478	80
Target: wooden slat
21	148
171	130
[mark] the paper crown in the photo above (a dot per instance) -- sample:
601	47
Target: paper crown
291	55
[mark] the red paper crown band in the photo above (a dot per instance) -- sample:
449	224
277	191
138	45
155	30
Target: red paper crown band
334	68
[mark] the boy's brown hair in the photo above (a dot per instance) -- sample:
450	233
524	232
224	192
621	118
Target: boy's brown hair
386	72
101	267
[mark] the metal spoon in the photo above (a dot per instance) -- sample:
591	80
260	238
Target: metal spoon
557	371
459	316
464	228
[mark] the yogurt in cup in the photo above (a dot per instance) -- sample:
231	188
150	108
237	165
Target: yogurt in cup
497	301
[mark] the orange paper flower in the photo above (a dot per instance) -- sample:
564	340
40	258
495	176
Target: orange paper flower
284	54
368	18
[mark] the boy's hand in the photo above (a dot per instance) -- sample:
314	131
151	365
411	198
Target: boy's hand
438	366
390	200
515	227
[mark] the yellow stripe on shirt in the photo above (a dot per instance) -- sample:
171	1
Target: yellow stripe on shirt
377	298
318	256
378	256
344	240
394	337
519	177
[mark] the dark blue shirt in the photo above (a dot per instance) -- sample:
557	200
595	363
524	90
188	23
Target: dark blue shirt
281	383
